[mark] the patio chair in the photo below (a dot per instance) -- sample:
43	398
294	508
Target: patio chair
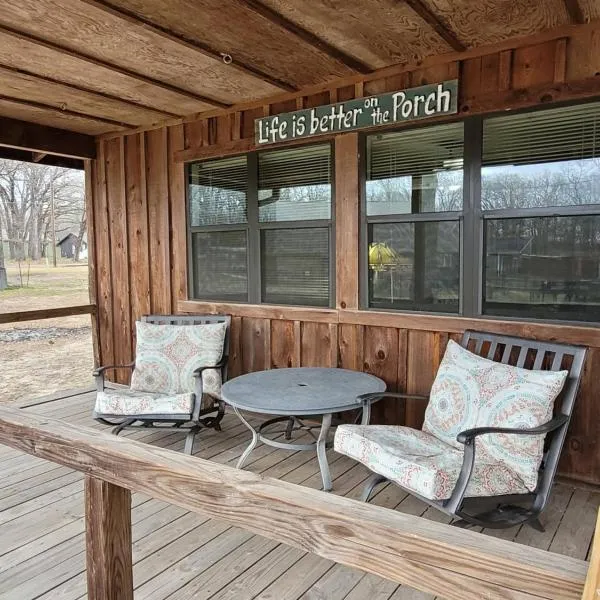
176	377
489	447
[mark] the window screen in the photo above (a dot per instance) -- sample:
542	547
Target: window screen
220	265
295	266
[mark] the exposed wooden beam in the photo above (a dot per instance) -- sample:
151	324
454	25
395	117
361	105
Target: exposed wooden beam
188	42
39	138
47	313
87	58
88	90
307	36
575	12
65	111
434	21
49	159
508	45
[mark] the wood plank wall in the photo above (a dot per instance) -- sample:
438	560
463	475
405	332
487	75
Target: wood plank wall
138	229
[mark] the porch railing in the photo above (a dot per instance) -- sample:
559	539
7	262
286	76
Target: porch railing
429	556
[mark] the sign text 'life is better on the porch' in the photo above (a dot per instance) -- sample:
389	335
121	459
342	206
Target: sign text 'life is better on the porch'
386	109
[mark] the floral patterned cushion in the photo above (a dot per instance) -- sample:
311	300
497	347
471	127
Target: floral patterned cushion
421	463
167	356
127	402
471	391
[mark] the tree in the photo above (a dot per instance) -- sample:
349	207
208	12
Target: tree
27	194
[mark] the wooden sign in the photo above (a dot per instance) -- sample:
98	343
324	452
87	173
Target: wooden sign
386	109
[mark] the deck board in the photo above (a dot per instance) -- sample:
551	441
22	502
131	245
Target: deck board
182	555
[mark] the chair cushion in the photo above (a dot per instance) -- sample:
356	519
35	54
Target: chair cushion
471	391
167	356
127	402
420	463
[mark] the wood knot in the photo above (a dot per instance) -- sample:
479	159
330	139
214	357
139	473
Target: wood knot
366	366
342	304
465	108
575	445
380	354
546	98
339	531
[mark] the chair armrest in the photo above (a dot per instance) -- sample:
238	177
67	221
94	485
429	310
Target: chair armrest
467	436
99	373
102	370
222	363
374	396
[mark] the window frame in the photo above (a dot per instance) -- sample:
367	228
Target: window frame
472	221
254	227
366	220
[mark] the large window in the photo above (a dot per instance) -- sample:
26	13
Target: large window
506	223
414	197
540	197
260	227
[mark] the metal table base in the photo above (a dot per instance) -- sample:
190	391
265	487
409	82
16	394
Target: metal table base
320	443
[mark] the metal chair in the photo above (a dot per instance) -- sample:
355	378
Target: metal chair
508	510
206	411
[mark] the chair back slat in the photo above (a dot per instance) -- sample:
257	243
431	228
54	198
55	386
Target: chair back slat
522	356
506	354
491	353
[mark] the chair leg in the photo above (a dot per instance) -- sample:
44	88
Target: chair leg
537	525
189	441
220	415
126	423
372	483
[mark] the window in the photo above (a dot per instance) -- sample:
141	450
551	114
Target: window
260	227
505	223
414	197
540	197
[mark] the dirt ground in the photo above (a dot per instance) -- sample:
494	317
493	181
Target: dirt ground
38	358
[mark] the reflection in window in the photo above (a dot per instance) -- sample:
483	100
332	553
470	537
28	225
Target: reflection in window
415	266
543	158
295	185
415	171
545	267
218	192
295	266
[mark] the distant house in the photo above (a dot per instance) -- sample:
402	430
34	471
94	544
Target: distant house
68	244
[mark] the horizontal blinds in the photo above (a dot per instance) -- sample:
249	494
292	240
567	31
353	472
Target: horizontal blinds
415	152
568	133
227	173
310	165
218	191
295	266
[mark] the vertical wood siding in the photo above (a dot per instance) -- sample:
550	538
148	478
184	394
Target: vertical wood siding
136	197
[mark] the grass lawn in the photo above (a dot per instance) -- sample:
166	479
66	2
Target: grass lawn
41	357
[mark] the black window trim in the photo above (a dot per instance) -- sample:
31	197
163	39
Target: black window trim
471	219
253	227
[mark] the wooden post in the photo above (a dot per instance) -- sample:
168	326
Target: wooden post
108	541
592	581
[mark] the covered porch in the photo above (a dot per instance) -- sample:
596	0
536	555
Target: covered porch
260	159
179	554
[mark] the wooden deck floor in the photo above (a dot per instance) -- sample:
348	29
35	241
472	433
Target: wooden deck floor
181	555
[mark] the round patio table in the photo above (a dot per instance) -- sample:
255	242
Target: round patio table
293	393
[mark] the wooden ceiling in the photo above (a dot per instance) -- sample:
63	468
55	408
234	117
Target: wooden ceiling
94	66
